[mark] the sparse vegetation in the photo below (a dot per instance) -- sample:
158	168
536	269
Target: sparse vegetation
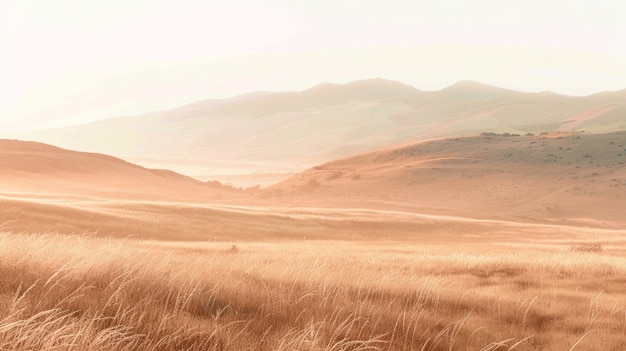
230	188
490	134
587	247
334	175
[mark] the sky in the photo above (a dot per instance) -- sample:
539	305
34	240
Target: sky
66	62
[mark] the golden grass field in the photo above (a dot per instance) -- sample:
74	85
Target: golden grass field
486	243
441	284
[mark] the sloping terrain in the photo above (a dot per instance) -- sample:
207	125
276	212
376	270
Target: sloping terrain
36	168
560	177
442	186
286	132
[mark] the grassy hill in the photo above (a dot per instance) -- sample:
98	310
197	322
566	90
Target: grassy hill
560	177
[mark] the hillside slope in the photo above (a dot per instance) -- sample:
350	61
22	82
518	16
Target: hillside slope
560	177
36	168
286	132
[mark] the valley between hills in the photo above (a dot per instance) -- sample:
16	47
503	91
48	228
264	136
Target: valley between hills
472	218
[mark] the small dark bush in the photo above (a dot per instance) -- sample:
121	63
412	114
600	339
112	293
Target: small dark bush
587	248
334	175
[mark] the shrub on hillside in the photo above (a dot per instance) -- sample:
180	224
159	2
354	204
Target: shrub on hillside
587	247
334	175
490	134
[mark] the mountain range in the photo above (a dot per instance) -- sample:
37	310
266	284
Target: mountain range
276	133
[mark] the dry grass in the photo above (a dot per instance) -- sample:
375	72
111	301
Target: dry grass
79	293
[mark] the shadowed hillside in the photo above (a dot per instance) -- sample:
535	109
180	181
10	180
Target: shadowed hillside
562	177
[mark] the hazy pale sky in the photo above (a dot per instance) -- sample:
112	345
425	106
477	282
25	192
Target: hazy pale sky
72	61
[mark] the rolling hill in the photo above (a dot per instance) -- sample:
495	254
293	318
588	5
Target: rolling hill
266	132
574	178
557	178
45	170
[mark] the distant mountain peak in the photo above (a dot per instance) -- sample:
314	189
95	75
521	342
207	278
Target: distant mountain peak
371	83
374	88
471	90
472	84
381	83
